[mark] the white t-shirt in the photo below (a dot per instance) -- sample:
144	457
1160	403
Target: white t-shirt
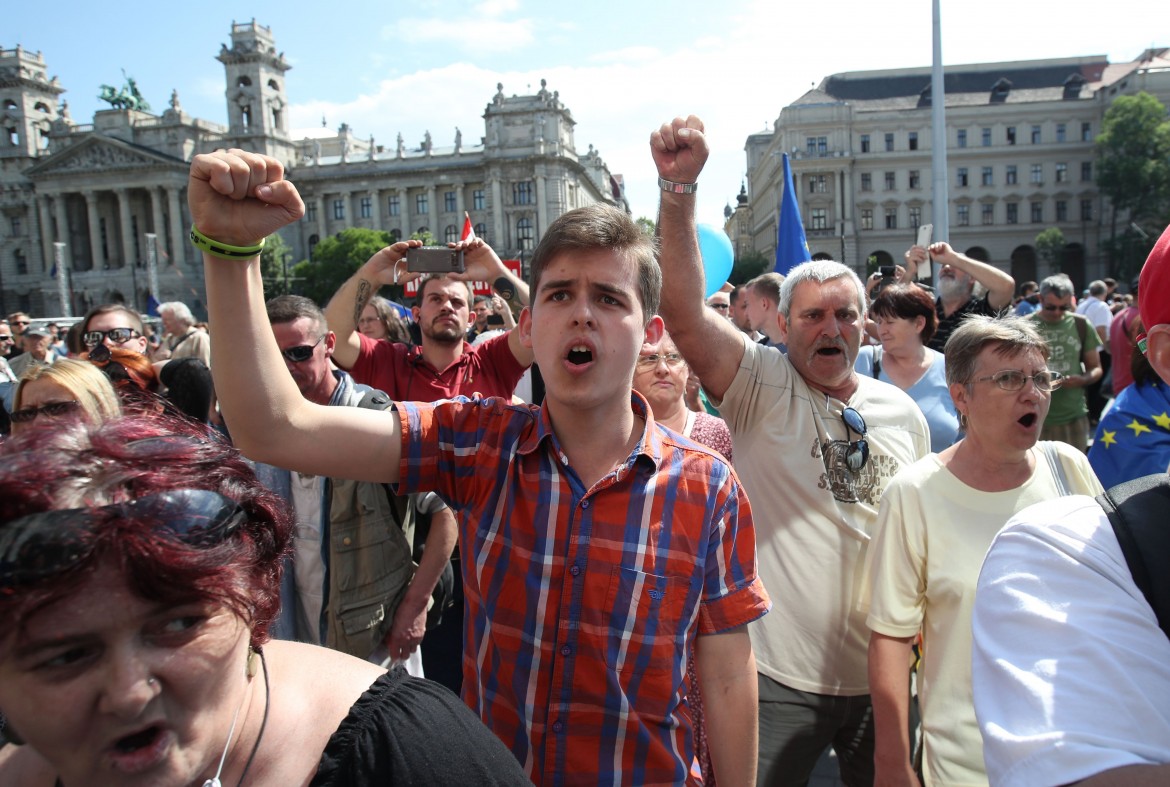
813	515
921	571
1071	672
1099	314
309	566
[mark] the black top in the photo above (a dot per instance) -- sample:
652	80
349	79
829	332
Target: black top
406	730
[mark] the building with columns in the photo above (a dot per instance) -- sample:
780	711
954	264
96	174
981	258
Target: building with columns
97	201
1020	158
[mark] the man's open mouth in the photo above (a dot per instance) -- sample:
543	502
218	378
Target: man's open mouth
579	355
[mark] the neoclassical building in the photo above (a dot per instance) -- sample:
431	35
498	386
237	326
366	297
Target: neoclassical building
1020	158
104	203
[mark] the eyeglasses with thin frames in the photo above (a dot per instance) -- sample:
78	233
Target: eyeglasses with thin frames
857	454
53	409
302	352
1054	307
647	362
1014	380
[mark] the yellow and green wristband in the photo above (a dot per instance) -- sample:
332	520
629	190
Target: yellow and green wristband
223	250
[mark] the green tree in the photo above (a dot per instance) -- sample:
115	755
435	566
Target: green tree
646	224
426	237
749	265
1134	159
276	266
1049	245
335	259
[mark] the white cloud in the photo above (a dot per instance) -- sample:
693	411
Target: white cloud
629	54
497	7
473	34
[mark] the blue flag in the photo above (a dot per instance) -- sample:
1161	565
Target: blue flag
152	306
791	245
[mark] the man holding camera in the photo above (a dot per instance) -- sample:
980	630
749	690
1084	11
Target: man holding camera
444	364
956	286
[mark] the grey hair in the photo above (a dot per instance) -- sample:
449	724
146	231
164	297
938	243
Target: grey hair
1010	335
1097	288
179	311
1058	284
819	271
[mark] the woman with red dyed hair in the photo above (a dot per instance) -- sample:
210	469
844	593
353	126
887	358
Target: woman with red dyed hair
140	565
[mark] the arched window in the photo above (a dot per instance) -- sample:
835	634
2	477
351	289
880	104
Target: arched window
395	235
272	84
524	235
422	230
41	106
451	233
243	81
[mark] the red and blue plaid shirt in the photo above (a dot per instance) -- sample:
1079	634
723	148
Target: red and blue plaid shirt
583	603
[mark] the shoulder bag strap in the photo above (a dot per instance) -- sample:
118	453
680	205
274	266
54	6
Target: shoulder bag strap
1137	510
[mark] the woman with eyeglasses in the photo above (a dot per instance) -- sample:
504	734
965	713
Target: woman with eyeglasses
936	522
906	319
140	566
379	320
661	376
69	389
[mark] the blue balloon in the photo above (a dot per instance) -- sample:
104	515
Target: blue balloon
718	256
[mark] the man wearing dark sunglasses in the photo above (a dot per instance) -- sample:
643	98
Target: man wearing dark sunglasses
1075	354
113	325
372	601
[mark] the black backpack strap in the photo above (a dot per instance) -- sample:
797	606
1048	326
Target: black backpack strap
1139	512
877	361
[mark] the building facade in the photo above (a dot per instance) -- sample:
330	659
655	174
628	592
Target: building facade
1020	158
98	212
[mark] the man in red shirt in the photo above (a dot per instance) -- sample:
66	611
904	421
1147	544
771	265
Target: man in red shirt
444	365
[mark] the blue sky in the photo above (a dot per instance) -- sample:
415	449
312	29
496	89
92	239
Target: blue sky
621	67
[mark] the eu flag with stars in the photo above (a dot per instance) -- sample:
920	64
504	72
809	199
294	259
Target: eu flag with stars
791	245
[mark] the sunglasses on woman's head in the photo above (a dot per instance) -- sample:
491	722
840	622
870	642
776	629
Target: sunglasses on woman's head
39	545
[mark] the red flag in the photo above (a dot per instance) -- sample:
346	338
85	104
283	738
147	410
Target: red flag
468	231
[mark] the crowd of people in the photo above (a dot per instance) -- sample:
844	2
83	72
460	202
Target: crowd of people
646	536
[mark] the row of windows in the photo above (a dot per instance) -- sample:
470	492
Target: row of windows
963	214
1011	174
522	194
525	234
1011	135
963	177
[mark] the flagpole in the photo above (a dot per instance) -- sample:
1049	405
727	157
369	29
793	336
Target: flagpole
62	279
940	199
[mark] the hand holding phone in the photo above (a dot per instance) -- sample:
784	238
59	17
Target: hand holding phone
434	259
924	233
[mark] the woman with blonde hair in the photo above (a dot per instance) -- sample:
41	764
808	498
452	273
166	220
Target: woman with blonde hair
66	388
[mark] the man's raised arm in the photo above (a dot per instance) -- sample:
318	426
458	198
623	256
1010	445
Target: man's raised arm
346	305
483	264
710	344
1000	286
237	199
